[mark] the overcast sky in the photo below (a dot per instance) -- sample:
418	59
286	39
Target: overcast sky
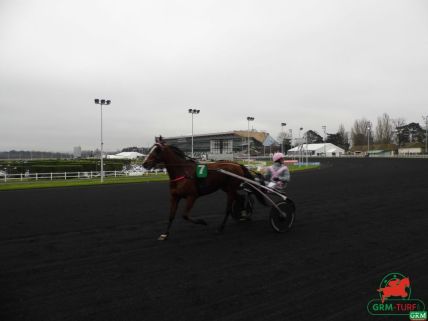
306	63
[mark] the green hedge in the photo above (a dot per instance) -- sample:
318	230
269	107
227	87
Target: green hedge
58	166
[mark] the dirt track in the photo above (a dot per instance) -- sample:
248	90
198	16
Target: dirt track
92	254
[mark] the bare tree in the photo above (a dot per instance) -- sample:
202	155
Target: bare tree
344	137
359	132
384	130
341	138
284	140
313	137
397	124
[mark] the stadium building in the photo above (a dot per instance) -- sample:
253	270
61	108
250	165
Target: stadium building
226	145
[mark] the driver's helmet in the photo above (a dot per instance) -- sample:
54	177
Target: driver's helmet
277	156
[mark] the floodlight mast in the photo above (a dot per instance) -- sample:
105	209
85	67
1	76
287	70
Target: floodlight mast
426	133
193	112
301	147
325	137
282	132
369	127
248	136
102	102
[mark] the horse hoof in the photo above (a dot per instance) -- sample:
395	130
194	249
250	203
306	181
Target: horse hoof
162	237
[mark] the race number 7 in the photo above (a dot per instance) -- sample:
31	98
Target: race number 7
201	170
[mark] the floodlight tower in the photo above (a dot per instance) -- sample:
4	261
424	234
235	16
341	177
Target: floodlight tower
307	149
426	133
369	127
282	132
290	134
248	136
193	112
301	147
102	102
324	128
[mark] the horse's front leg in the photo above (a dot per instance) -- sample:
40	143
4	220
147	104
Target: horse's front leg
172	210
189	205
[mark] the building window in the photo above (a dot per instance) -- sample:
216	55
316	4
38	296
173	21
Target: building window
221	146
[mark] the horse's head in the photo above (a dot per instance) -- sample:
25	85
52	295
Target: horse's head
155	156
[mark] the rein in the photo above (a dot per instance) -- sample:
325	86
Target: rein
177	179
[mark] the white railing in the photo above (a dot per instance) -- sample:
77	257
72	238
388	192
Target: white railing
4	177
345	156
375	156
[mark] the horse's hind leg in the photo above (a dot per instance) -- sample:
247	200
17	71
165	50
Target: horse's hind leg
231	196
172	210
189	205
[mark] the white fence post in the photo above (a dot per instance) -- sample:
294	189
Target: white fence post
21	177
37	176
51	176
114	173
65	175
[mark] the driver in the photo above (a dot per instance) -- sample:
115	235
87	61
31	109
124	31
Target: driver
278	174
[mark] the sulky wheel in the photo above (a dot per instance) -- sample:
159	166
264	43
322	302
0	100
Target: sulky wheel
282	222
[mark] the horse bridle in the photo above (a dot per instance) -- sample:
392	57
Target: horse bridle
158	160
154	149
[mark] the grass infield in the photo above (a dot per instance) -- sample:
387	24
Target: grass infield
108	180
80	182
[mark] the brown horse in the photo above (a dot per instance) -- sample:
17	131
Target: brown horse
184	184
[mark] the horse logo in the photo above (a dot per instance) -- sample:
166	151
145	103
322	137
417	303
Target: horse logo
395	298
395	287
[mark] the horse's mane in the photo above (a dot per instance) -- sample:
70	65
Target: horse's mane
177	151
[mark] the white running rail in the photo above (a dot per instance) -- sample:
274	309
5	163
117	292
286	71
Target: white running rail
4	177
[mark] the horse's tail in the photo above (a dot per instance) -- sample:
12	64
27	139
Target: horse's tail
259	196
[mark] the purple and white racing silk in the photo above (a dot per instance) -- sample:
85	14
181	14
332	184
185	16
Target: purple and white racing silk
280	172
277	172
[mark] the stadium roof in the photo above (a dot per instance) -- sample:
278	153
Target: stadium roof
260	136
